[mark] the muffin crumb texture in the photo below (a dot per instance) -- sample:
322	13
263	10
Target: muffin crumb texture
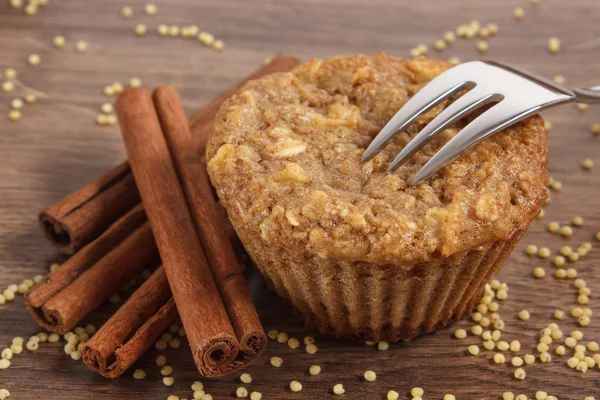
289	147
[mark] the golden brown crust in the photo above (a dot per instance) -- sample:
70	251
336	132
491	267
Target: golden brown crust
285	160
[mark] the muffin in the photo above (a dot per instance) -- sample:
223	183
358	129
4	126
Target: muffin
361	253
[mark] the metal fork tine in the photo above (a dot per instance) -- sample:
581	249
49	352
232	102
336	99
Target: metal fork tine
419	104
463	106
493	120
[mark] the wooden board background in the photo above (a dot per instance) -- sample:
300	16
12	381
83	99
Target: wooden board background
56	148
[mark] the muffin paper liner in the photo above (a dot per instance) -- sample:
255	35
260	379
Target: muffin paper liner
362	301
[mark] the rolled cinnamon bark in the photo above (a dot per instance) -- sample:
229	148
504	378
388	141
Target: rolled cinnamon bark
209	331
83	215
133	328
92	275
215	242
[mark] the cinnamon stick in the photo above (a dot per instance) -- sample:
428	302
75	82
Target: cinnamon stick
132	329
82	216
93	274
209	331
219	252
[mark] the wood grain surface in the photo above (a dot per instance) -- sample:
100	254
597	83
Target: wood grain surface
57	148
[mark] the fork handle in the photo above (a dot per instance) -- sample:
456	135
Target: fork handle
587	95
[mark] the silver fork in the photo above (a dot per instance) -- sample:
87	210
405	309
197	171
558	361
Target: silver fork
518	94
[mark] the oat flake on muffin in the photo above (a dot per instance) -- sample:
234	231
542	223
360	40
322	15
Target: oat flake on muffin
285	159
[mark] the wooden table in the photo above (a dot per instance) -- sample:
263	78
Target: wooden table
56	148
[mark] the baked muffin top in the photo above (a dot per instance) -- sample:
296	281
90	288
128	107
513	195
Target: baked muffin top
285	159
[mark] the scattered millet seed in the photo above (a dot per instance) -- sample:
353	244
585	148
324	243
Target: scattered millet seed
554	45
561	350
582	107
8	86
417	392
392	395
493	306
515	346
34	59
531	249
370	376
449	37
482	308
7	354
272	334
282	337
573	257
583	299
140	29
163	30
241	392
595	129
520	373
529	359
496	334
314	370
539	395
14	116
16	348
541	214
590	362
4	393
135	82
293	343
276	362
383	345
161	360
476	330
369	343
539	272
81	46
593	346
561	273
311	348
245	378
255	396
150	9
582	366
502	294
160	344
309	339
127	12
545	357
565	250
499	358
174	343
166	370
32	346
174	30
295	386
10	73
584	321
473	349
4	363
508	396
482	46
476	316
54	267
572	362
168	380
173	397
439	45
460	333
453	61
542	347
577	335
578	221
566	231
197	386
489	345
544	252
587	164
518	13
516	361
218	45
339	389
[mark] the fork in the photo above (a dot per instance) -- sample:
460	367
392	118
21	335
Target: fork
517	93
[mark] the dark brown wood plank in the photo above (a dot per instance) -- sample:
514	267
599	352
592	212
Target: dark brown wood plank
56	148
